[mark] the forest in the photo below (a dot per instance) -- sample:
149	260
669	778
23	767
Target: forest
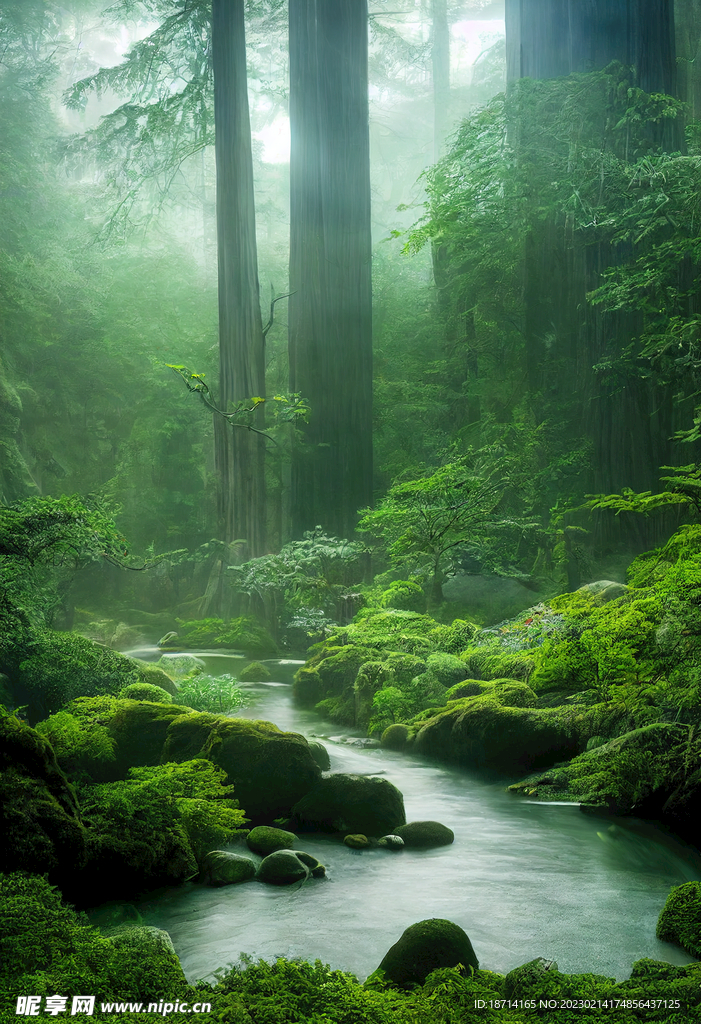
350	511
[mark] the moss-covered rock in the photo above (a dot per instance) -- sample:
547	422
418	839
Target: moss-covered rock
270	769
491	661
47	669
446	668
356	841
425	947
254	672
320	754
265	839
222	868
308	687
145	691
41	826
422	834
404	594
371	677
522	982
284	867
680	920
481	731
630	773
351	803
395	737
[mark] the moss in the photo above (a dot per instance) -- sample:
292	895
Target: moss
145	691
483	732
513	694
395	737
270	769
337	709
41	824
405	595
623	775
446	668
425	947
492	662
254	673
680	920
242	634
45	947
308	686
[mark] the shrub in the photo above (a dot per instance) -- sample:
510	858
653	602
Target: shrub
404	594
219	695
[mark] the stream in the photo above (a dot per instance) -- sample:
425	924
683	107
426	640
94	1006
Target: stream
524	879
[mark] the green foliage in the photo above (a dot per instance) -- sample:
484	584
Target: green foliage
315	573
243	633
434	514
404	594
75	741
163	809
680	920
47	948
41	539
217	694
146	691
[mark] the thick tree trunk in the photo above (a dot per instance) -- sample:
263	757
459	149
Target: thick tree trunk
239	453
330	319
628	426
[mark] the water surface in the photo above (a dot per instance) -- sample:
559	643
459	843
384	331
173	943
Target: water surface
523	879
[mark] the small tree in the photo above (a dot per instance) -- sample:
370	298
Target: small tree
434	514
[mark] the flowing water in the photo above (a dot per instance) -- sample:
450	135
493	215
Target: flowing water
523	879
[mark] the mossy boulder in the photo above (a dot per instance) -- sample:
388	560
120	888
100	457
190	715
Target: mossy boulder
284	867
47	669
222	868
468	688
491	661
254	672
446	668
631	773
137	728
265	839
371	677
320	754
356	841
351	803
41	827
270	770
395	737
481	731
514	694
404	594
308	687
423	834
680	920
145	691
425	947
525	981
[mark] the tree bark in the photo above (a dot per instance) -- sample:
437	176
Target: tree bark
239	453
565	336
330	317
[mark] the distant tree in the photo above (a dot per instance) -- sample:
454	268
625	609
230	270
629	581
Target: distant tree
432	515
330	343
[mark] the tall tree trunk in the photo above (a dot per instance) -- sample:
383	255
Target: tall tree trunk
564	335
239	453
330	313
